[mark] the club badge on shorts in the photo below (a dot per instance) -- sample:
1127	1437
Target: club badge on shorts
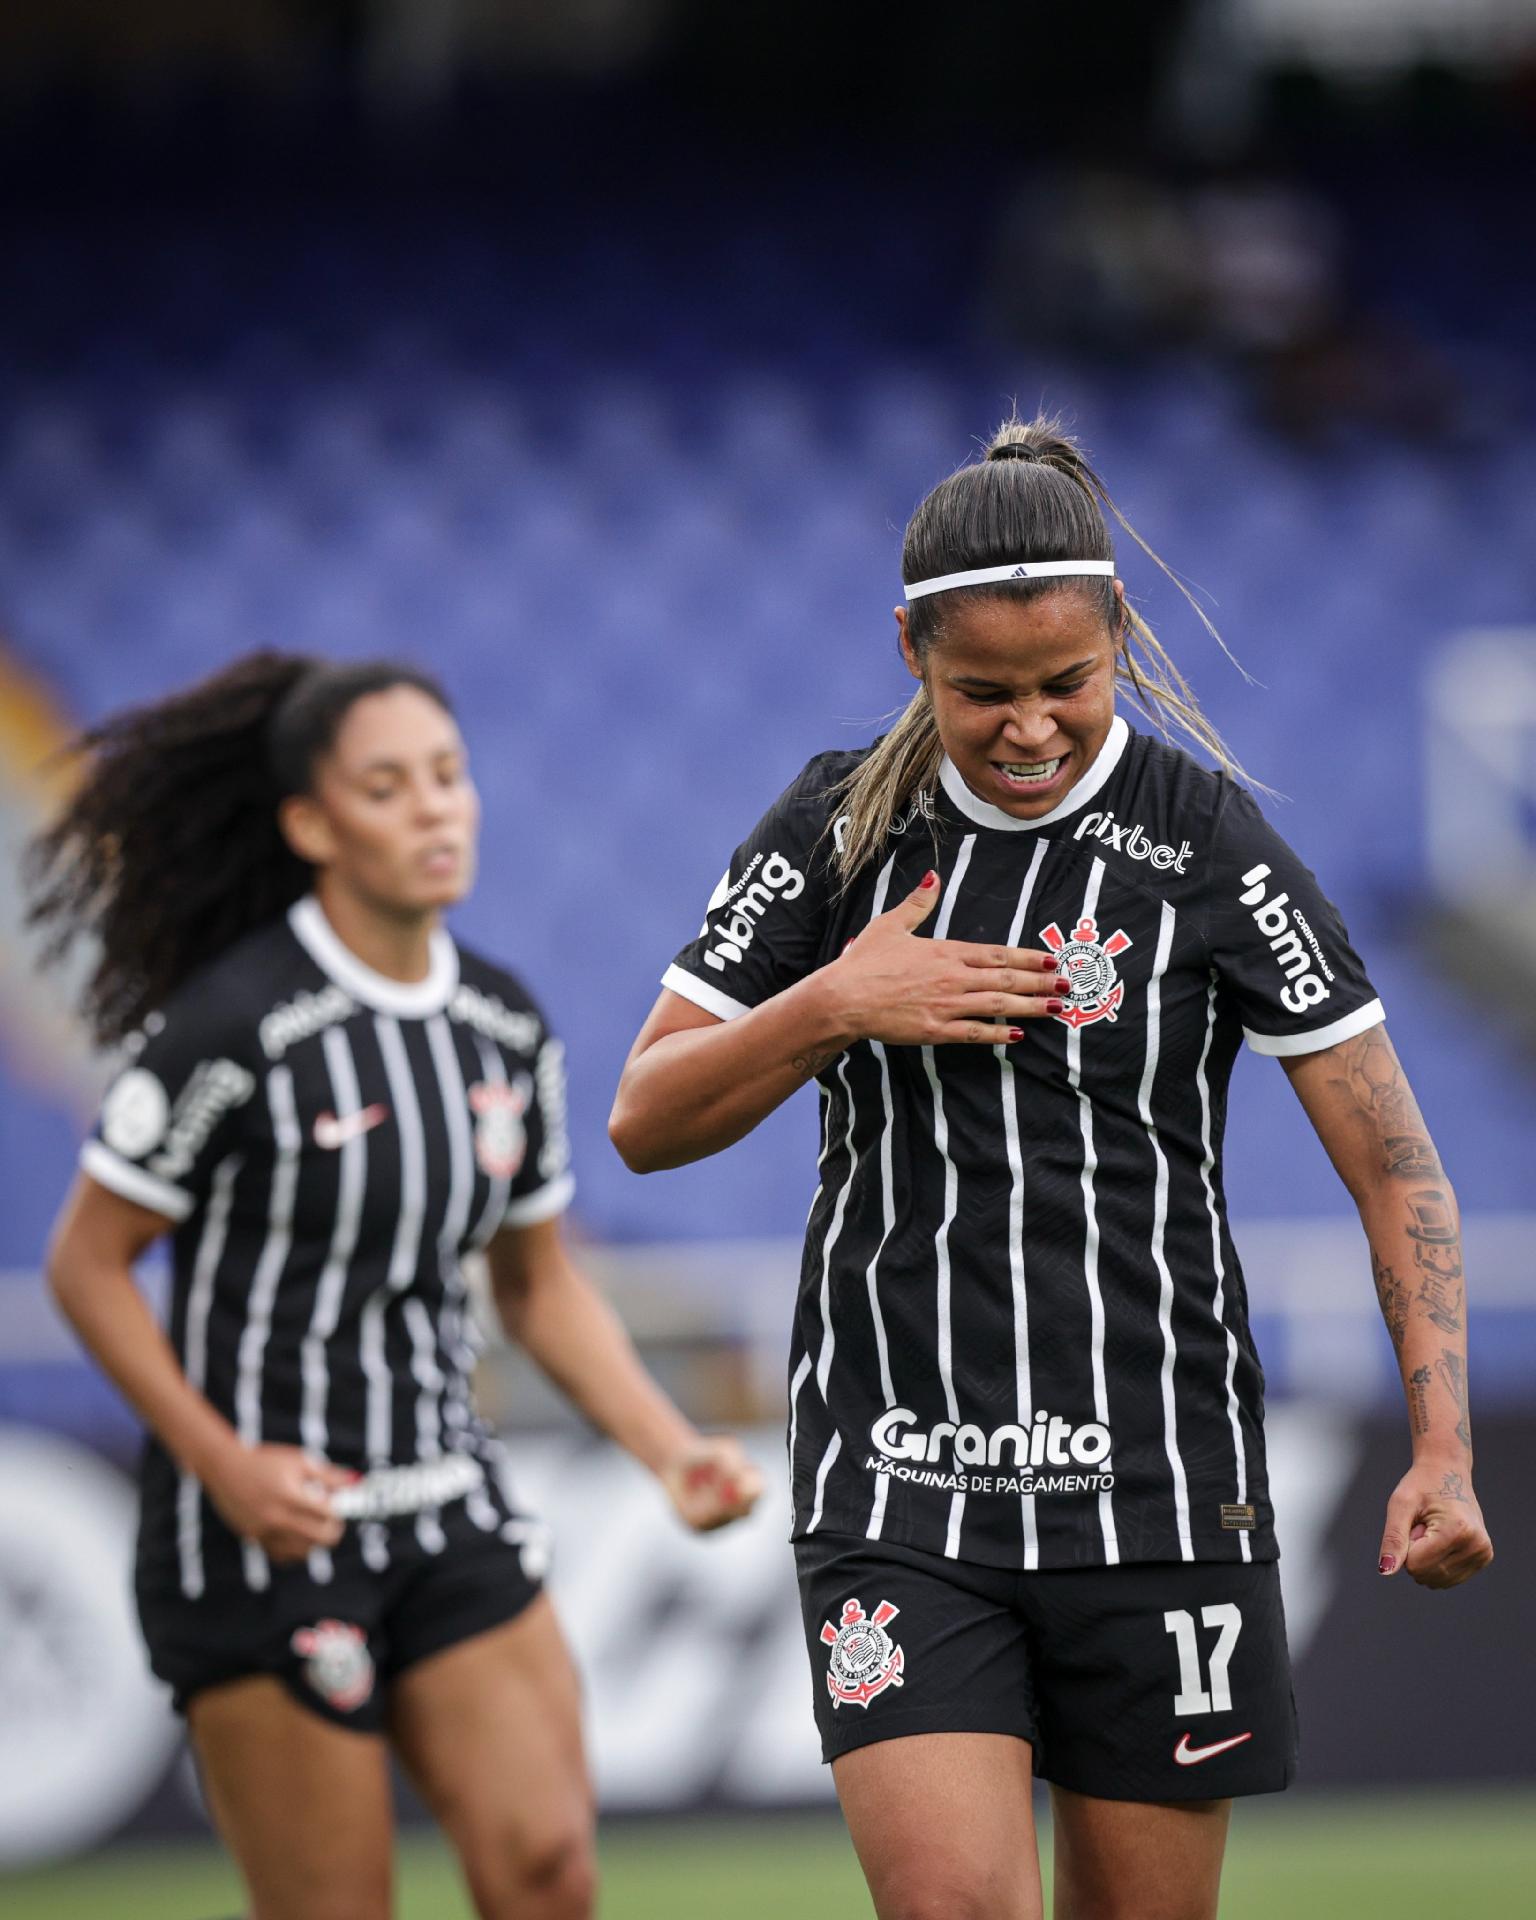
863	1660
1094	990
337	1663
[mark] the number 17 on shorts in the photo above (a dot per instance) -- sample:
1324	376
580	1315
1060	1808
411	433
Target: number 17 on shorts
1215	1695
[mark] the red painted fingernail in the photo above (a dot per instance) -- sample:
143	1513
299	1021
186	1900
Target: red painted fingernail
1061	985
1015	1033
1055	1006
1387	1563
929	879
1048	963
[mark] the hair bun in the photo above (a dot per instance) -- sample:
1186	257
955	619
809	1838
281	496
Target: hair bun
1013	450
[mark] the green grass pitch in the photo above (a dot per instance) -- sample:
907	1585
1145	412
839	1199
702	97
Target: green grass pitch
1329	1858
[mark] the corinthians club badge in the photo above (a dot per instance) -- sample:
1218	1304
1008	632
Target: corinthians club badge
1088	964
863	1661
337	1663
501	1138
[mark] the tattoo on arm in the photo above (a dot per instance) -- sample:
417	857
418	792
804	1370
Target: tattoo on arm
1395	1298
811	1063
1418	1393
1453	1488
1452	1370
1436	1241
1411	1155
1373	1077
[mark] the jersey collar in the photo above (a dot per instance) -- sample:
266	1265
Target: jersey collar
986	815
409	999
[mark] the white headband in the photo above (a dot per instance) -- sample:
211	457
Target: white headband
1024	570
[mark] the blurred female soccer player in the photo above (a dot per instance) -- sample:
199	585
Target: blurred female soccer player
1031	1515
328	1104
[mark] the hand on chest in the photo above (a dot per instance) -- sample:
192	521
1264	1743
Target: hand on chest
1128	944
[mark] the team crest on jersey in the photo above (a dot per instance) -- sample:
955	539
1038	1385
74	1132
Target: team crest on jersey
1095	990
501	1139
337	1663
863	1660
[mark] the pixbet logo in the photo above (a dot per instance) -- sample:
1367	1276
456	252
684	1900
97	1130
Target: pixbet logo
749	899
1133	842
1285	942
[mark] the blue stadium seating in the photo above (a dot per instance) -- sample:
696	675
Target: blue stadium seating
642	508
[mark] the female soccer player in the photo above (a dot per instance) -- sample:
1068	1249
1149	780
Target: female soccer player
328	1104
1017	945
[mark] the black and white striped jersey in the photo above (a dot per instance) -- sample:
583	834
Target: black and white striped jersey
1021	1336
330	1143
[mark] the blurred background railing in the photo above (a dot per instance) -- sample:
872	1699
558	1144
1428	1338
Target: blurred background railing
595	355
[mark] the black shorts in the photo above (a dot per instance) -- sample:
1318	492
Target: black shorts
1162	1682
336	1645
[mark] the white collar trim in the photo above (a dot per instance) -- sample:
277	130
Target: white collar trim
986	815
410	999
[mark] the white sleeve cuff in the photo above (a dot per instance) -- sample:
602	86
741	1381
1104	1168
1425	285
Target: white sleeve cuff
711	999
1286	1044
528	1209
122	1177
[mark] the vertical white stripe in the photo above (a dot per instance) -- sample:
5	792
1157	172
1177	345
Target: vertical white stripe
205	1267
477	1505
406	1250
429	1378
802	1374
877	1511
1091	1235
461	1153
887	1180
1218	1265
1023	1395
251	1354
828	1338
1159	1230
453	1386
951	1199
378	1422
405	1256
888	1222
834	1448
331	1288
493	1072
823	1107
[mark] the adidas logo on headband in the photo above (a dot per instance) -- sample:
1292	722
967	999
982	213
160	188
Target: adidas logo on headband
1022	570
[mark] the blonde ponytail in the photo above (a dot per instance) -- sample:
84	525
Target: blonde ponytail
902	764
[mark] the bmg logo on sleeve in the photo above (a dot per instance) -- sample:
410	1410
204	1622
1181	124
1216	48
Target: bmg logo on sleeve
764	881
1279	928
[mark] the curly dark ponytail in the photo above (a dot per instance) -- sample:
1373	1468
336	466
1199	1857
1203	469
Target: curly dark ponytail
169	850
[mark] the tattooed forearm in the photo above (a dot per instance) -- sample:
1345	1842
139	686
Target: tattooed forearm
1395	1297
1372	1076
1453	1488
1418	1392
1452	1370
1436	1239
